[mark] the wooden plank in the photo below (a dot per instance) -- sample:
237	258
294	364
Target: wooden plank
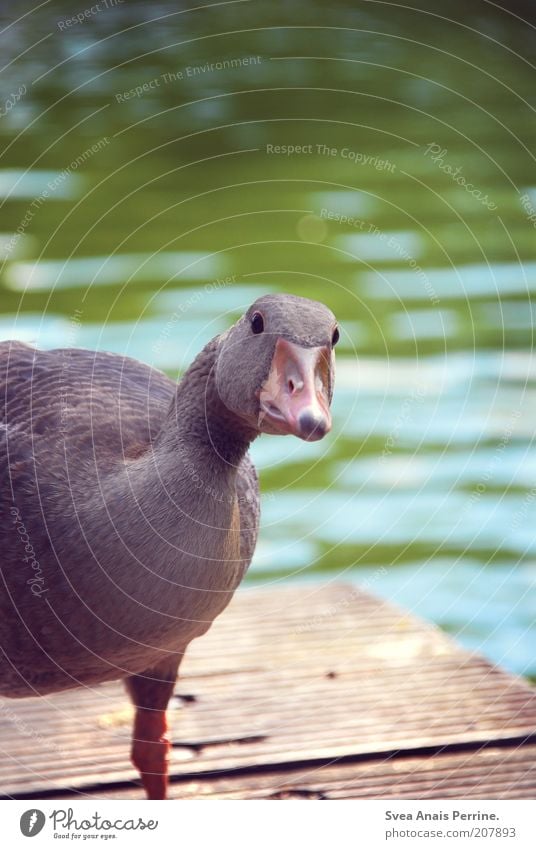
490	773
287	676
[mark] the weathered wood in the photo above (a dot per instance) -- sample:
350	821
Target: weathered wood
287	681
490	773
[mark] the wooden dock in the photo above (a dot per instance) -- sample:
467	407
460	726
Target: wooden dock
306	692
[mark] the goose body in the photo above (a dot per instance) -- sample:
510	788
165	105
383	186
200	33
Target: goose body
79	476
129	506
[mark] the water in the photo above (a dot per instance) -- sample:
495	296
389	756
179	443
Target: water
161	168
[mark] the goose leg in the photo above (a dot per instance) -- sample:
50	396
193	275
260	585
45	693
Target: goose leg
150	692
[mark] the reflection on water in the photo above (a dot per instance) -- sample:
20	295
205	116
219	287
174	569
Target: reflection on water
163	167
167	266
17	183
459	282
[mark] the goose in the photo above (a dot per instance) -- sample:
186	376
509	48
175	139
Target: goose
129	505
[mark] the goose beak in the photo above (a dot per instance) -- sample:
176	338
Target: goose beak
294	399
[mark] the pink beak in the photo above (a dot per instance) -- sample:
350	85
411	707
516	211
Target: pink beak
294	398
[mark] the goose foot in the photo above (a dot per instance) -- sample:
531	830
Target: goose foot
150	692
150	751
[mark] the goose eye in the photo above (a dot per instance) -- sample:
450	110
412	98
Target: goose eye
335	337
257	322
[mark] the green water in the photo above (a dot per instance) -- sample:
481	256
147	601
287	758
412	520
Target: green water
160	168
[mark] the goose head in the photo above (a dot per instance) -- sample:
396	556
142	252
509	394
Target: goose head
275	366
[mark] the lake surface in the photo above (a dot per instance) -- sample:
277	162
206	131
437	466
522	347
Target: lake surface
160	168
